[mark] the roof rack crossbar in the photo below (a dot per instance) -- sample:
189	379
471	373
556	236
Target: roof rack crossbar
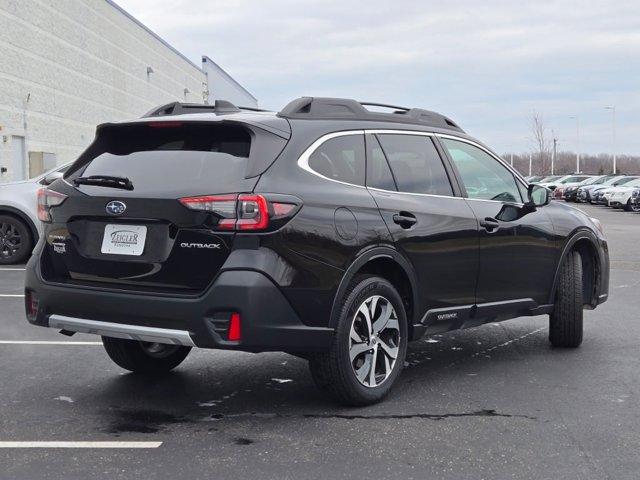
323	108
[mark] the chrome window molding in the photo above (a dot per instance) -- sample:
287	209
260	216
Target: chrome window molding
413	193
400	132
303	160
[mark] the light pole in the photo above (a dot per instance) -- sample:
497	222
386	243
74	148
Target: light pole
530	162
554	152
613	111
577	143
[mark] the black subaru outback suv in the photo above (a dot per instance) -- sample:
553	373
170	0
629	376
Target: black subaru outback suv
327	230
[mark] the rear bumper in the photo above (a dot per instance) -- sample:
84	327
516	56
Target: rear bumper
268	323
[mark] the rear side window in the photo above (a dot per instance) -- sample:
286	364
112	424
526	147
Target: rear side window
169	156
340	158
416	164
378	171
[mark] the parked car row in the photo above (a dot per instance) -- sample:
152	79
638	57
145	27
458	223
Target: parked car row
617	191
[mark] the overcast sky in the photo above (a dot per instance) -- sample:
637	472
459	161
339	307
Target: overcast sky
486	64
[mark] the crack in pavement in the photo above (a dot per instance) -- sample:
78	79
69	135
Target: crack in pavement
426	416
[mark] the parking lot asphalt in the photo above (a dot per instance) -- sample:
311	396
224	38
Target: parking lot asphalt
493	402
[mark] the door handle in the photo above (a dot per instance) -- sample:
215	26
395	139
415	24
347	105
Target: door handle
490	224
405	219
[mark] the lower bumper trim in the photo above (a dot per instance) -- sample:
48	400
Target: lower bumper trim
119	330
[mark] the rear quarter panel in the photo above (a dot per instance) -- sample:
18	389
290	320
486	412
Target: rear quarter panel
336	224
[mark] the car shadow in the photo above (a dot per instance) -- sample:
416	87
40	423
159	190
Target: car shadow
216	386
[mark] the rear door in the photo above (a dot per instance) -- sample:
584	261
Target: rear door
431	226
165	230
518	252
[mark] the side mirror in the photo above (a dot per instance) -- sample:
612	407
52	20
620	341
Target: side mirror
539	196
51	177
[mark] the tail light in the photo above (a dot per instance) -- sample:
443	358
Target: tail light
31	304
47	199
242	212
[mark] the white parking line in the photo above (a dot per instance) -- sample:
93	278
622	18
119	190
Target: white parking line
12	269
45	342
12	295
80	444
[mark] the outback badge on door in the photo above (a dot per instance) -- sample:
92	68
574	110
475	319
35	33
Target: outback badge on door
116	207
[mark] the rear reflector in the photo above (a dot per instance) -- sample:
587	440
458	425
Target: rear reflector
233	335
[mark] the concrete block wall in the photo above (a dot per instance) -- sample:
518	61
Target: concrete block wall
68	65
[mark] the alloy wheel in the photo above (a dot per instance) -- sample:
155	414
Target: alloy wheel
10	240
374	341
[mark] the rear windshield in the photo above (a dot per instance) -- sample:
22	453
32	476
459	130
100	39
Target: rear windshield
170	155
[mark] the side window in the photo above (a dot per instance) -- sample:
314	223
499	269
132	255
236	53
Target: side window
483	176
378	172
340	158
416	164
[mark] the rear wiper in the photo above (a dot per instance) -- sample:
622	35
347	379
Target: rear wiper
105	181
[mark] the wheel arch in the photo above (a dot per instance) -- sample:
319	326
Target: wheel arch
389	264
20	215
586	243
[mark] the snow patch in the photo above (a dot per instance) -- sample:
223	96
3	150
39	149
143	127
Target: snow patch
62	398
282	380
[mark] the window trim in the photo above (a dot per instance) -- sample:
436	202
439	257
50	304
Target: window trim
303	161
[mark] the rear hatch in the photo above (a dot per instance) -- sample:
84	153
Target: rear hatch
129	220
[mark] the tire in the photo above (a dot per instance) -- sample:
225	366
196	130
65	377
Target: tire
627	206
334	371
143	357
635	207
565	323
16	240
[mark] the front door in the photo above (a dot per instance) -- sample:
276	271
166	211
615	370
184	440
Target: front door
435	229
517	250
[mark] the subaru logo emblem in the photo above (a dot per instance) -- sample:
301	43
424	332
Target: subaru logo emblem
115	207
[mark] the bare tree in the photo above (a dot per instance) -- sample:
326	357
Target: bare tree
541	142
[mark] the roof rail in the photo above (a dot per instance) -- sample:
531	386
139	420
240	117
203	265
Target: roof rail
343	108
178	108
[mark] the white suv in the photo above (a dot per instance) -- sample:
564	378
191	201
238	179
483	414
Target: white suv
620	197
19	224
